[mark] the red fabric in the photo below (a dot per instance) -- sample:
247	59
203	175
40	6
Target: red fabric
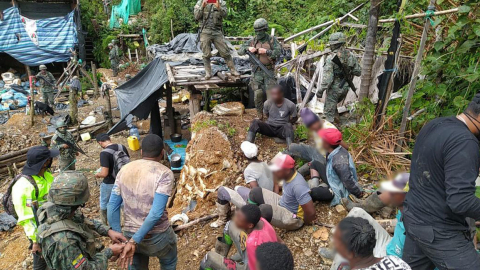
331	136
256	238
284	161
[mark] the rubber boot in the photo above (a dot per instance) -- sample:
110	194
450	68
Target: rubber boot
289	141
251	136
103	216
223	212
236	257
221	247
208	68
371	204
231	66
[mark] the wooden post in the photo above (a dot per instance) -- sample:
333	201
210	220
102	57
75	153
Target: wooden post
194	104
170	112
95	82
171	28
32	95
109	108
413	81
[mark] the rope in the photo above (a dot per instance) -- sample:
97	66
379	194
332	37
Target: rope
62	170
390	70
429	13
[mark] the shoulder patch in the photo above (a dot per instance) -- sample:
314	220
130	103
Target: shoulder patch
78	261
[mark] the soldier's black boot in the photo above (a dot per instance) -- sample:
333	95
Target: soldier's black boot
251	136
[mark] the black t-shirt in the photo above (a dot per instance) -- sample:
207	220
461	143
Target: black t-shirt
445	165
106	160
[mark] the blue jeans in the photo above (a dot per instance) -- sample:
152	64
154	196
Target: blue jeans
160	245
105	191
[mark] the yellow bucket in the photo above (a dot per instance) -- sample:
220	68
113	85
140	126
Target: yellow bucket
133	143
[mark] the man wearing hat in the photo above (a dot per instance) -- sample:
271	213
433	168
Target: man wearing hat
295	207
47	81
114	59
26	197
256	174
63	140
340	168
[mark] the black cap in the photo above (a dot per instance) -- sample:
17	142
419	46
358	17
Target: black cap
36	157
102	137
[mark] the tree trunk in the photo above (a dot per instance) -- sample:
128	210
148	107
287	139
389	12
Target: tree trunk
369	55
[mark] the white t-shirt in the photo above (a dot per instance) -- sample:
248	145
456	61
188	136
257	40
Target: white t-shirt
389	263
259	172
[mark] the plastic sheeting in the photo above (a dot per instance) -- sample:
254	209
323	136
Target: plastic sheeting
46	41
123	11
138	95
182	43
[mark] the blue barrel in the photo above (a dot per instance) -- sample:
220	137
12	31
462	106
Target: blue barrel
134	132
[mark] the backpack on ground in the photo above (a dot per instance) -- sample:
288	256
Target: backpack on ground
7	201
120	158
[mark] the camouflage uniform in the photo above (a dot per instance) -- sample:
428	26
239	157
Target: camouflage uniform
212	33
114	59
66	161
46	88
69	242
333	76
260	82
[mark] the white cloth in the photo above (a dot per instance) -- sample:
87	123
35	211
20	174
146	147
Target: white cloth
250	150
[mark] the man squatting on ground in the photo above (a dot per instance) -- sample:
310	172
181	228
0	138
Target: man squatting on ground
247	231
143	186
280	113
295	207
256	174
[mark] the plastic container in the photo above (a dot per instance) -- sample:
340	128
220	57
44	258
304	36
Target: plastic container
134	132
133	143
85	136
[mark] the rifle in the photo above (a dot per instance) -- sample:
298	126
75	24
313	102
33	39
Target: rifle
73	146
346	77
203	24
45	80
34	207
259	64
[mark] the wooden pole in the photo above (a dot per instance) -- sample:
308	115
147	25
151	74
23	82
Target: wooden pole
32	95
171	28
413	82
421	15
312	83
95	82
309	30
109	109
170	113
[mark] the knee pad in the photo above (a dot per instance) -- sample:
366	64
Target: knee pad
256	196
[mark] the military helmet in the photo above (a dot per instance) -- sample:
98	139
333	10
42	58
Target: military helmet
60	123
337	38
43	67
260	24
110	44
70	188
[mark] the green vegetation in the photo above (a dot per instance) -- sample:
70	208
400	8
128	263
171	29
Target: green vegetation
301	132
196	127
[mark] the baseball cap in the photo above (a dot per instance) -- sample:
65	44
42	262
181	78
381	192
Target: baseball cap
250	150
281	161
331	136
399	184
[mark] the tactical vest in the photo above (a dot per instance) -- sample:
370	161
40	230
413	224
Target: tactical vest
264	58
82	230
215	20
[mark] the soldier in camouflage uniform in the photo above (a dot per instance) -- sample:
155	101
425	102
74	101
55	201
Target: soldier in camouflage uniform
66	161
333	76
65	235
114	58
267	48
47	81
210	16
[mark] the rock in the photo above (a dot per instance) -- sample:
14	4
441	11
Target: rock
340	209
297	239
308	253
195	253
321	233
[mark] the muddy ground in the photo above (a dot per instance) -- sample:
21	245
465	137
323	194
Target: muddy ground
194	242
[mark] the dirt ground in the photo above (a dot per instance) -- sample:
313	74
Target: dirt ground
196	241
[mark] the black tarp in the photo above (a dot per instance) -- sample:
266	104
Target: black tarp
138	96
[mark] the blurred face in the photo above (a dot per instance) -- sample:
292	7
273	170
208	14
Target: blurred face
241	221
281	175
43	71
260	34
396	198
315	126
276	95
339	246
48	163
62	129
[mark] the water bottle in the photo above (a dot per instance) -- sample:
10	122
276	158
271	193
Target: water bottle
134	132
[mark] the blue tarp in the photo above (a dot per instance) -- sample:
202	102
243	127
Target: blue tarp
54	37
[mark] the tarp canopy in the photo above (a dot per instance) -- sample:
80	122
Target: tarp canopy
36	42
138	95
123	11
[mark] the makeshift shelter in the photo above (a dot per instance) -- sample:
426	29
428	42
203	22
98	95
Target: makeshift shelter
123	11
35	42
139	97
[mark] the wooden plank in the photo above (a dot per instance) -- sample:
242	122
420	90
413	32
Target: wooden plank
170	113
203	87
312	83
421	15
171	78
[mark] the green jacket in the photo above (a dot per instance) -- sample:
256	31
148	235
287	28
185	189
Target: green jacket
65	153
69	243
44	86
215	20
273	53
23	194
332	74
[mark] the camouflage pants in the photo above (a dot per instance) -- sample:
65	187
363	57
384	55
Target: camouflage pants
73	100
114	65
217	38
261	85
215	261
66	164
48	97
334	95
